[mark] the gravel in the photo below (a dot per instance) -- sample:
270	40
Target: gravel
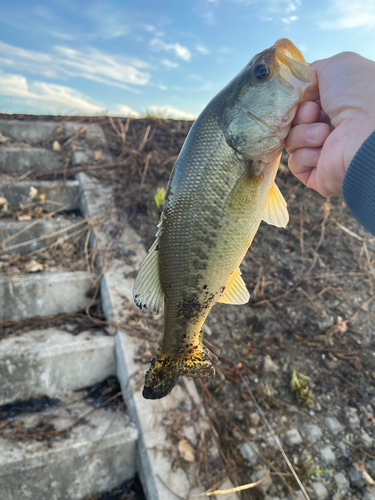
341	482
320	491
327	455
248	453
333	425
314	433
294	437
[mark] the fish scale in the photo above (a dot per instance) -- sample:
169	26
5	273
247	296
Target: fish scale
220	189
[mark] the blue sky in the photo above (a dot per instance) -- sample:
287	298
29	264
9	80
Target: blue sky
169	57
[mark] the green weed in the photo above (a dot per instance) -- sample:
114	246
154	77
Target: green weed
301	388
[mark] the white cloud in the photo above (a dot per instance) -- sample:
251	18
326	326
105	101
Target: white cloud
169	64
109	22
94	63
90	64
170	112
346	14
202	50
179	50
46	96
123	110
289	20
267	10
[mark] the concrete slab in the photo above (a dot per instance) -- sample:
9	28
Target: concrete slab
53	361
58	194
19	160
97	454
44	294
87	131
38	234
90	145
28	131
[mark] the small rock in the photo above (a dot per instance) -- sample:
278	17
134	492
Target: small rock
320	491
372	464
327	455
248	453
237	434
265	484
341	482
326	323
356	478
294	437
269	365
206	330
353	418
369	495
298	496
343	449
268	497
333	425
187	452
366	440
314	433
337	496
254	418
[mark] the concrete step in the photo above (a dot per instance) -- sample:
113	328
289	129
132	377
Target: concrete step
88	144
53	361
95	455
38	131
55	194
28	131
44	294
34	236
20	160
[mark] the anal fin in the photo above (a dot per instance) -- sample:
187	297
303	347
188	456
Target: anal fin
236	292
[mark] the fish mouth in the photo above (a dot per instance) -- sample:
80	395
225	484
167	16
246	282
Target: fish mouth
294	70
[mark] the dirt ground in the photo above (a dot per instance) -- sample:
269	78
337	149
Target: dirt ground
310	318
305	342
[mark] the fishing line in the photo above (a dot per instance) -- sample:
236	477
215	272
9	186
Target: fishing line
275	438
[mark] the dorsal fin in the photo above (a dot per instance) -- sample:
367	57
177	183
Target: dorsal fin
276	212
147	292
236	292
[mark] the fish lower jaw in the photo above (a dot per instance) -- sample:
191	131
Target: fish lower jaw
270	154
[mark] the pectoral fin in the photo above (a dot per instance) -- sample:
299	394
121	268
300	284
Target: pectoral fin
236	292
147	292
276	212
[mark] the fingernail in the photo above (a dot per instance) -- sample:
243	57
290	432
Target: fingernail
313	132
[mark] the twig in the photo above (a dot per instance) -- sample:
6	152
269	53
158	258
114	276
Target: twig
275	438
32	224
237	488
44	236
144	140
170	489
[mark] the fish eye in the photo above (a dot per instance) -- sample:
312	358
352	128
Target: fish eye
261	72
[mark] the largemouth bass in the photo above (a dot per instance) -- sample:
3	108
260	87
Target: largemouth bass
221	187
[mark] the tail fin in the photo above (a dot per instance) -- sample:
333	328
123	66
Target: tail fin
165	371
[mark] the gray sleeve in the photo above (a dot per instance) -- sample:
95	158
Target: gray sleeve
359	185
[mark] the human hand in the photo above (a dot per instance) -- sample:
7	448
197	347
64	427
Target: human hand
326	134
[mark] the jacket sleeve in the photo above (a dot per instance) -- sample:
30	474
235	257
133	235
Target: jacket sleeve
359	184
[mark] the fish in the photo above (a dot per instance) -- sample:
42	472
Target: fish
220	189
